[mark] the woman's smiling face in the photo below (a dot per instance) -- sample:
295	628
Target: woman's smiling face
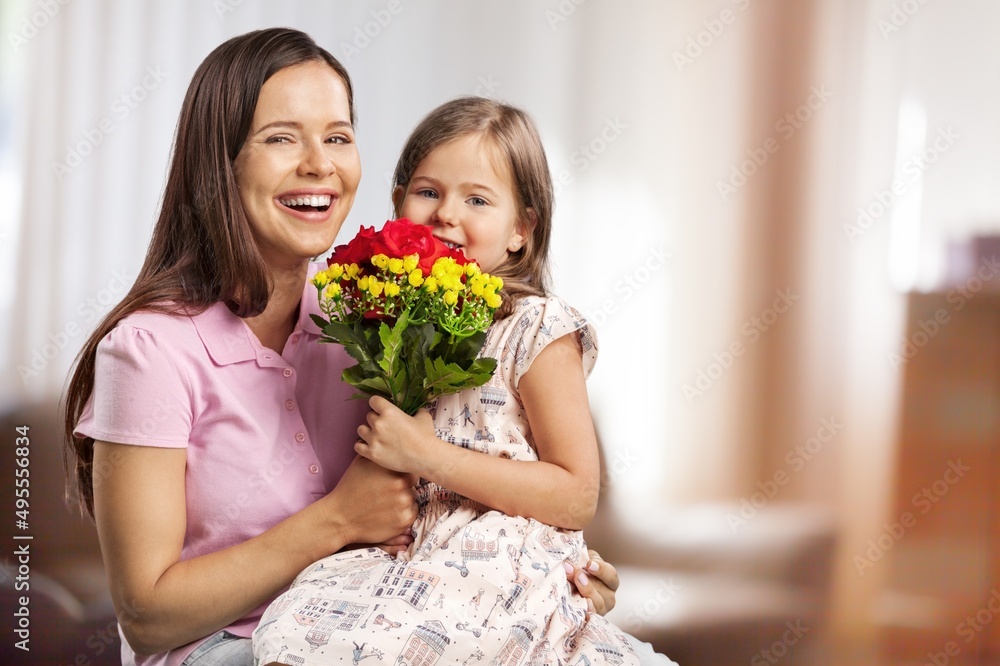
299	168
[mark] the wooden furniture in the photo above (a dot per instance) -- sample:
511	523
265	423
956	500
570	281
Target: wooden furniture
941	602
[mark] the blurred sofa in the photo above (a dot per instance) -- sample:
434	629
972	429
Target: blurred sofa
71	619
705	594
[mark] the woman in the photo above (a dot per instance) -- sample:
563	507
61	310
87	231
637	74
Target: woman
206	429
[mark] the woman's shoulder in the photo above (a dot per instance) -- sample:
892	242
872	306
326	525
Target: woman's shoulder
170	327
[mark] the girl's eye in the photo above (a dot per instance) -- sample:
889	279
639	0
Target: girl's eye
478	201
427	194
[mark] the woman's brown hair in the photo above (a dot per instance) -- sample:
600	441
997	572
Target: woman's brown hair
202	250
511	133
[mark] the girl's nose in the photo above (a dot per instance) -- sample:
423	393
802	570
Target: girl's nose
445	213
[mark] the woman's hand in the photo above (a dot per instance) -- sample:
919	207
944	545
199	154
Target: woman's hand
392	438
372	504
597	582
397	544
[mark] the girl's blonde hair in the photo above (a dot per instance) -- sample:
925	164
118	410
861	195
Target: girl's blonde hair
512	133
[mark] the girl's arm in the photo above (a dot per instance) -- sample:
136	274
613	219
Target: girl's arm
162	602
560	489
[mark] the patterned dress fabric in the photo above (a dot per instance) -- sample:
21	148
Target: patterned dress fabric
476	586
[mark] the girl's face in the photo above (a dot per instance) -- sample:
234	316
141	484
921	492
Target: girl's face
299	169
458	190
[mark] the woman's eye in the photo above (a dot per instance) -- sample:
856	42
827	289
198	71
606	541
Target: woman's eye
339	139
277	139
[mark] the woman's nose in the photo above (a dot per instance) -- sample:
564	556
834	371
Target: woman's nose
316	161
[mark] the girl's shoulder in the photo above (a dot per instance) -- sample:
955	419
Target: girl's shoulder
538	320
549	307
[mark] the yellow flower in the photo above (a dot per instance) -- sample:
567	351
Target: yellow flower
375	287
450	297
431	284
497	282
352	271
363	283
472	269
321	279
332	290
396	266
416	277
391	289
476	287
335	271
494	301
380	261
410	262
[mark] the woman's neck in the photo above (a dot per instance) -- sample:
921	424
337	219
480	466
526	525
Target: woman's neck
273	326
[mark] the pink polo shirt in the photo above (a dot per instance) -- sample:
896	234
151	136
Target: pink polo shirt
266	433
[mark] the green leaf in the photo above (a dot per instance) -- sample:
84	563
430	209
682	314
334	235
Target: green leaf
373	384
444	378
319	321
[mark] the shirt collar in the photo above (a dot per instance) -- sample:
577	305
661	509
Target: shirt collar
229	340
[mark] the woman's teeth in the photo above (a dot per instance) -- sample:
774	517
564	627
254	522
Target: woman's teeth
317	201
453	246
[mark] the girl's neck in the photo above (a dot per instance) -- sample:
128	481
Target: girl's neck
273	326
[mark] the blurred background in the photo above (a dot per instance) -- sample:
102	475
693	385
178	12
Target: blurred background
782	216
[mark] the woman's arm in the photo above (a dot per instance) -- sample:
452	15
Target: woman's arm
162	602
561	489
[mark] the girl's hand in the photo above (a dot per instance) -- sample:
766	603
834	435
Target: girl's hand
391	438
596	582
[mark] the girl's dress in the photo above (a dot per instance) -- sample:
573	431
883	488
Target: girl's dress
476	586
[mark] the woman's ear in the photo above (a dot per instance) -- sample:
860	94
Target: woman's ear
397	199
522	230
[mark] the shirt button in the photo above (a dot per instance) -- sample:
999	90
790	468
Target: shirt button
314	469
289	405
288	372
300	437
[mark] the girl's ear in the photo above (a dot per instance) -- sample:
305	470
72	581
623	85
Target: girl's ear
522	230
397	199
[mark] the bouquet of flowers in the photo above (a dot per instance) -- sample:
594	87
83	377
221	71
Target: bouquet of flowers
410	310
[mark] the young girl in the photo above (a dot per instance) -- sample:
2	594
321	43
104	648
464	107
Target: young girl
484	577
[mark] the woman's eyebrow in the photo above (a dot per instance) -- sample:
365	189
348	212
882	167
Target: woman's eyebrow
294	124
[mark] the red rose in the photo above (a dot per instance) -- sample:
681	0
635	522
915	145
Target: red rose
357	251
401	237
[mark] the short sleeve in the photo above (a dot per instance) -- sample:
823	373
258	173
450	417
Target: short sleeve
540	321
140	396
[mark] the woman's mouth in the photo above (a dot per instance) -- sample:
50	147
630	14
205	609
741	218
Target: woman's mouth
319	203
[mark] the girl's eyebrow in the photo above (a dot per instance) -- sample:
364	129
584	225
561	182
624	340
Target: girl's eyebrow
467	185
292	124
